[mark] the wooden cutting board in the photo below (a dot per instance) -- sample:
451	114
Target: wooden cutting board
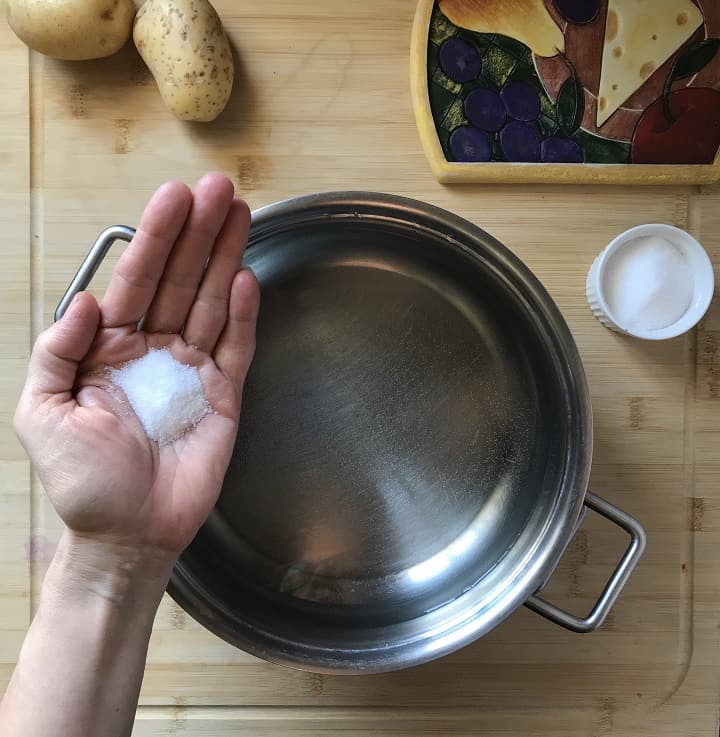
322	102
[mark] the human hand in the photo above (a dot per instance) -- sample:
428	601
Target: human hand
108	481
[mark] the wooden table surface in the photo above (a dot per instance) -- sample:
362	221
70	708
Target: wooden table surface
322	103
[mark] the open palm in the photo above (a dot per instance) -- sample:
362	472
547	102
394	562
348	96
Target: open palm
179	280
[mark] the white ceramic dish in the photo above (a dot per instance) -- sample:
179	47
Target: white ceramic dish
700	265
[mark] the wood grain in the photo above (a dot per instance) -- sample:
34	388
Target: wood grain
322	102
15	295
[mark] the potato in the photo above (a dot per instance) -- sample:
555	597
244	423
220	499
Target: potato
184	45
72	29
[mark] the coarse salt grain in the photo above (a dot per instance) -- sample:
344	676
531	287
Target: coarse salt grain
649	284
166	395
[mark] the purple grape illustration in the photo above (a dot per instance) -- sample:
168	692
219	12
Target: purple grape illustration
485	109
460	60
470	144
521	101
578	11
520	142
557	150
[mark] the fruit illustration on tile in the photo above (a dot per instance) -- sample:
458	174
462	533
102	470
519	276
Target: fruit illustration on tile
527	21
568	82
682	126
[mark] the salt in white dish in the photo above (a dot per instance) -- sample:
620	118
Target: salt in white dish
697	260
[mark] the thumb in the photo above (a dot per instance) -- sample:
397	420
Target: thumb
58	351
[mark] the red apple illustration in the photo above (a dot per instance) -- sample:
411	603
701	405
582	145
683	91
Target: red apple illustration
690	136
681	127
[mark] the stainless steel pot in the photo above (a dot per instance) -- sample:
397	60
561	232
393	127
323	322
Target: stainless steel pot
415	445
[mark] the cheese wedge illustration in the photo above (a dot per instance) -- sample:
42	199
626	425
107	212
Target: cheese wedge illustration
640	36
527	21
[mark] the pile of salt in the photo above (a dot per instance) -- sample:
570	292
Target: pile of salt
648	284
166	395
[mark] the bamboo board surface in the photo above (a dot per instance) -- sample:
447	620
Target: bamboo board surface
322	103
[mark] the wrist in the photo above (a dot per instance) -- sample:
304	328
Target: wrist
84	654
121	573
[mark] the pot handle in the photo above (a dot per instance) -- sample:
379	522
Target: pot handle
92	262
616	582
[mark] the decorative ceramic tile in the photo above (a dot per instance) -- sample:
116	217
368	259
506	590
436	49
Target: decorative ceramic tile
572	83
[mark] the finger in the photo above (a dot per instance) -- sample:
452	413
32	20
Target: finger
236	347
139	268
184	269
58	351
208	314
